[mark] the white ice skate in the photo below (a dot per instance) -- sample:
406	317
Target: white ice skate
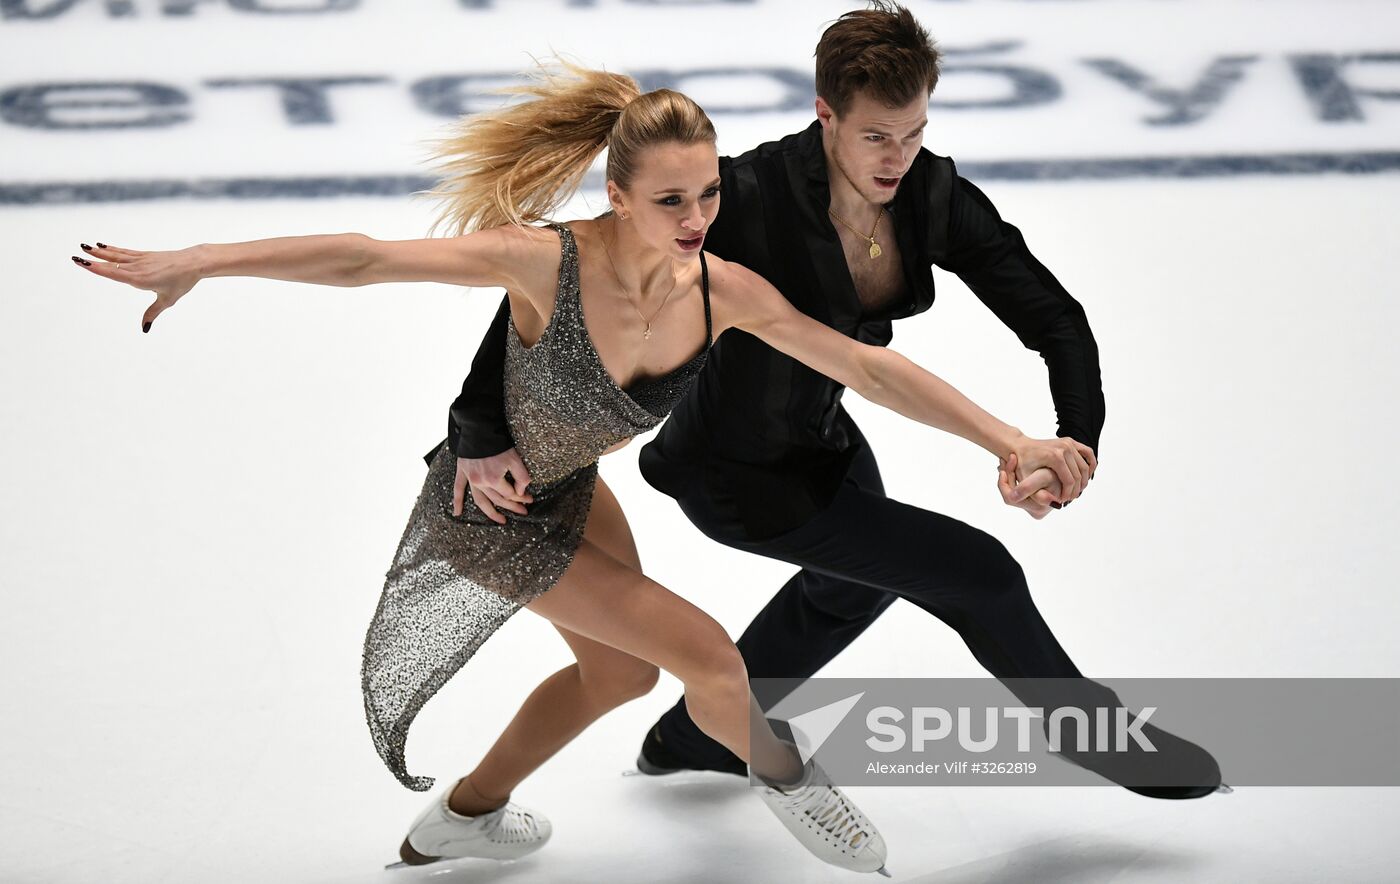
508	832
827	823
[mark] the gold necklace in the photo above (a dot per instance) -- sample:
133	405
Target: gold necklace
646	333
875	250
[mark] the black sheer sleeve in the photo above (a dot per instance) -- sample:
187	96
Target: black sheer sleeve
991	257
476	423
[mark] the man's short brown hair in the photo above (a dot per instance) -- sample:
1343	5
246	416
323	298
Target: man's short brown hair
882	51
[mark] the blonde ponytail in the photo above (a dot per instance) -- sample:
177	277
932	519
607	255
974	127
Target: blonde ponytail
517	165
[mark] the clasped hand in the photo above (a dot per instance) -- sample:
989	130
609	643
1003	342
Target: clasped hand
1040	474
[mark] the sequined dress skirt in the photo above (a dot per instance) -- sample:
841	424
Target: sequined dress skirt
453	582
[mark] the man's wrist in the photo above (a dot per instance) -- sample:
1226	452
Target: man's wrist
1079	436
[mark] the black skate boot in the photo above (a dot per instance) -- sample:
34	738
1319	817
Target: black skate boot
656	759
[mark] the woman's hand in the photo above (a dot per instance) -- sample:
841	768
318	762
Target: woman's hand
489	479
169	274
1039	502
1072	462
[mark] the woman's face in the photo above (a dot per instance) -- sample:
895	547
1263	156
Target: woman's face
673	197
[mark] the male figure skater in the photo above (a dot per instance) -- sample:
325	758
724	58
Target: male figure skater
845	219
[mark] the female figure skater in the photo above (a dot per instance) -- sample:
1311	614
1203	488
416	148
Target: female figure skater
581	379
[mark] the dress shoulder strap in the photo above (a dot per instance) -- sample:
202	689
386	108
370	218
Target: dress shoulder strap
568	264
567	243
563	229
705	293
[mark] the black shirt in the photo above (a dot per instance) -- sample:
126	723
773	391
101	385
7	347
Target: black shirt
761	435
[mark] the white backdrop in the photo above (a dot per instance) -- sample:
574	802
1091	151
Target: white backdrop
197	521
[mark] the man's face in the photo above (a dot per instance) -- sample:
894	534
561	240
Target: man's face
873	145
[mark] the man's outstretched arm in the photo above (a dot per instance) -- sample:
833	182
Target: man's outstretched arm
991	257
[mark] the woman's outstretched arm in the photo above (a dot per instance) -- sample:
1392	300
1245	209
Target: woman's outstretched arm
747	301
491	257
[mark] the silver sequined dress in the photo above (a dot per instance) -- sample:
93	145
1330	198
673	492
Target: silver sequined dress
456	579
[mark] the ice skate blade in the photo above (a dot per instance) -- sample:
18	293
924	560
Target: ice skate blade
408	857
403	865
651	770
884	871
1224	789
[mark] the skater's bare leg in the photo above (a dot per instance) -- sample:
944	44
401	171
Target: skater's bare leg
772	758
608	600
604	677
555	712
612	603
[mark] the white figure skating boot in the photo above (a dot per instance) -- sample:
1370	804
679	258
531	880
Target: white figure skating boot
506	833
827	822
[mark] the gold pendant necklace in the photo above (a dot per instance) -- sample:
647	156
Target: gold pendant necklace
646	332
875	250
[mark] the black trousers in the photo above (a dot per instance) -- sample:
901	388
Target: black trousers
857	556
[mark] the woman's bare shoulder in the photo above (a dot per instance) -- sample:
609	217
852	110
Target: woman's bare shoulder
530	256
738	280
740	296
522	243
729	280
